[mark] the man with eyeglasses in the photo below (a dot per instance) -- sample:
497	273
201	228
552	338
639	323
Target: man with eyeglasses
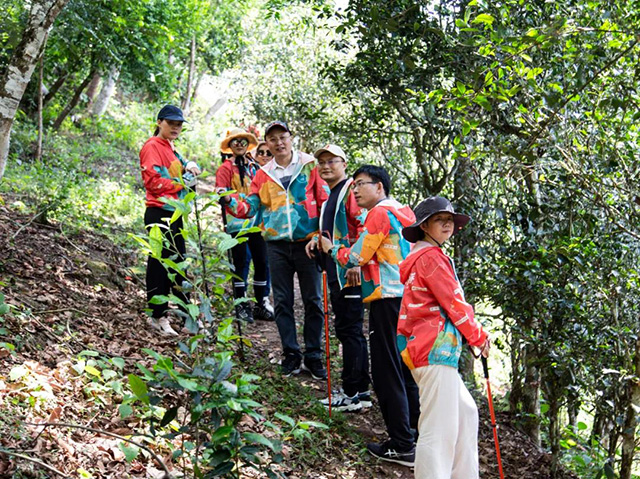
343	219
288	192
378	251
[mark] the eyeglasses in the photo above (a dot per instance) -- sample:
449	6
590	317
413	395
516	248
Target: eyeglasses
277	139
360	184
242	142
264	153
330	162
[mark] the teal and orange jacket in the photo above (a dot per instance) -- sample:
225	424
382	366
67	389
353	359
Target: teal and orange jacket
228	178
162	168
434	316
348	224
379	250
289	214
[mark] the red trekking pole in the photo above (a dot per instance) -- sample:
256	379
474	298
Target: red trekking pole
485	367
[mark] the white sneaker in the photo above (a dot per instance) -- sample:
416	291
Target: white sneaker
163	326
267	304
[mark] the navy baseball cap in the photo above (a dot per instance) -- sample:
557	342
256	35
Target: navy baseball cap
170	112
274	124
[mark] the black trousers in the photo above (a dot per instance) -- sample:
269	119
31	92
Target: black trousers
158	282
349	314
395	388
256	244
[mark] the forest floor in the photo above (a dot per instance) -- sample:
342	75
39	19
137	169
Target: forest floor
73	293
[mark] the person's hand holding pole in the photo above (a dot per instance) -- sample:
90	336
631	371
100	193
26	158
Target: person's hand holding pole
325	243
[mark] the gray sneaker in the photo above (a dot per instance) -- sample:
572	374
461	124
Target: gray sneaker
341	402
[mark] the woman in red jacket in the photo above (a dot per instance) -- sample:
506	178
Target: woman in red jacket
166	175
434	320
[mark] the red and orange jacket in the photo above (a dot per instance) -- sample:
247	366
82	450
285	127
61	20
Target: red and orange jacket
162	168
228	178
289	214
379	250
434	315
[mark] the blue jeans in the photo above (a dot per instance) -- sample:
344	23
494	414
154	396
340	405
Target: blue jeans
286	259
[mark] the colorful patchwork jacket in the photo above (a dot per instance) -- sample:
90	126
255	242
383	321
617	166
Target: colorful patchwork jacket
289	214
348	223
162	168
228	178
379	250
434	317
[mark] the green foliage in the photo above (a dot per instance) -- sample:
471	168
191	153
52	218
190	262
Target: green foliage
204	400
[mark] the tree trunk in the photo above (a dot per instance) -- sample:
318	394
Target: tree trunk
531	395
186	100
464	193
517	359
72	104
631	419
55	88
92	90
18	73
109	85
40	107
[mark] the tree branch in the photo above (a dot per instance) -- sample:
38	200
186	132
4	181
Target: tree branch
167	475
33	460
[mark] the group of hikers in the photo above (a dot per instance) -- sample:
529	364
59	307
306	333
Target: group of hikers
313	217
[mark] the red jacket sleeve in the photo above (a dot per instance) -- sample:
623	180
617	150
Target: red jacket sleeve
150	157
440	279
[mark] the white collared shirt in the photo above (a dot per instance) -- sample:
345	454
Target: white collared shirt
284	174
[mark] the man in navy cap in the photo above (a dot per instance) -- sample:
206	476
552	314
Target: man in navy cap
288	191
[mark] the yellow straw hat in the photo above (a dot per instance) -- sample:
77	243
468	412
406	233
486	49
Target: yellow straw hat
238	133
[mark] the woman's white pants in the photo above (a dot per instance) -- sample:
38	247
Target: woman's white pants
447	447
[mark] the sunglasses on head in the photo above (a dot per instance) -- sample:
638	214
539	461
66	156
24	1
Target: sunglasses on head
239	142
264	153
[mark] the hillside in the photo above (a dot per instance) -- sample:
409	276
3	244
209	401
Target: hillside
73	294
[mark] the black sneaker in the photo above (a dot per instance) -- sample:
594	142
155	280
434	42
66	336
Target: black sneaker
244	312
290	365
315	368
262	313
387	452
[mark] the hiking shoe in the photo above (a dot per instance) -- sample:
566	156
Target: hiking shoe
267	304
262	313
341	402
164	326
244	312
315	368
387	452
365	399
290	365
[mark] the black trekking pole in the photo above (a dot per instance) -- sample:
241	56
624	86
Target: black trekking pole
485	367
